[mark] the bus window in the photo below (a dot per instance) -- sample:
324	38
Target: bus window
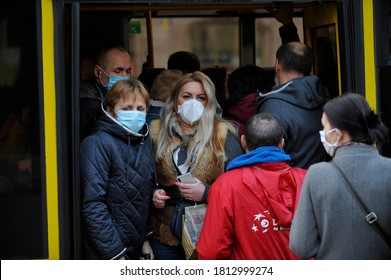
23	224
138	44
267	39
214	40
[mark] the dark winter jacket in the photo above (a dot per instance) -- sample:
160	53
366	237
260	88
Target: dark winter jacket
288	33
298	104
91	96
117	176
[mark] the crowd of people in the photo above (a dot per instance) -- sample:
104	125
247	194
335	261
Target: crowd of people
261	153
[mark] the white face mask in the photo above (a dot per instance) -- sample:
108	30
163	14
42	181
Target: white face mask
191	111
330	148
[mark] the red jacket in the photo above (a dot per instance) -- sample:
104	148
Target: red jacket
250	210
240	113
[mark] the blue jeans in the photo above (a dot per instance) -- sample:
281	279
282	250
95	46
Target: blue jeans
166	252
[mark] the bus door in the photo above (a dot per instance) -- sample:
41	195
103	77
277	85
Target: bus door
321	34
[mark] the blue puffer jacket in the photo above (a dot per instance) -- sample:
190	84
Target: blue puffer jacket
117	177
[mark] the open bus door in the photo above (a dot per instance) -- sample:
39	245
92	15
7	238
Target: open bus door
321	34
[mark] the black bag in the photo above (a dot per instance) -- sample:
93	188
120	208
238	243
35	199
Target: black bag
177	219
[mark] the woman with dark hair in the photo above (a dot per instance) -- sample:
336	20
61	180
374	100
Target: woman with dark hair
218	75
243	85
329	223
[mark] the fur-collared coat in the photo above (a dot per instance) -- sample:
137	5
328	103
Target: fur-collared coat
207	170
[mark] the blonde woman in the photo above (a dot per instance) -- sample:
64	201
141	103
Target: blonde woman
190	137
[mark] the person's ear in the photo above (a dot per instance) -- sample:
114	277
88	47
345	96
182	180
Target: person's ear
243	142
277	65
97	71
282	143
339	134
111	112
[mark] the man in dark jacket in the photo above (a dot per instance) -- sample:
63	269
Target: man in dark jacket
297	101
111	64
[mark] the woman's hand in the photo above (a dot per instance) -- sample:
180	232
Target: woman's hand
159	198
147	252
193	192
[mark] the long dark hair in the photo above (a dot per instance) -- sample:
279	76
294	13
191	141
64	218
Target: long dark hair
352	113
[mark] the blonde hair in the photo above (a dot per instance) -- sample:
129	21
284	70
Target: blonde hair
204	139
164	83
123	88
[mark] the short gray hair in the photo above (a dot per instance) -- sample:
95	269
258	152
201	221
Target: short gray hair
263	129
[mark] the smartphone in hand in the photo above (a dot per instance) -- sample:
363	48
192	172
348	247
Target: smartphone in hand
186	178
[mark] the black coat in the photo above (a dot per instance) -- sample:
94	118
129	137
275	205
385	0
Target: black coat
91	96
117	177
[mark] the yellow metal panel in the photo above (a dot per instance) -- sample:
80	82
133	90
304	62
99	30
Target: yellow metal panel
369	53
49	96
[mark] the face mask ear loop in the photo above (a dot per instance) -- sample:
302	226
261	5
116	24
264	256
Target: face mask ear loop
101	82
328	132
100	79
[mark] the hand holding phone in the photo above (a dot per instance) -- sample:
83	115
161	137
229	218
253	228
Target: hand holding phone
186	178
191	189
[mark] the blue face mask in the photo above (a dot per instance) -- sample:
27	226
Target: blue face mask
132	119
113	79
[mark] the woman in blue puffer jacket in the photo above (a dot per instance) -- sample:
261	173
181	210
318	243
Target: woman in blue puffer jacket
117	176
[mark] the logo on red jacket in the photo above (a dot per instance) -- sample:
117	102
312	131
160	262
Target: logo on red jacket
264	221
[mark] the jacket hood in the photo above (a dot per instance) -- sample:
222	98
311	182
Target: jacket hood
272	184
267	178
305	92
259	155
243	110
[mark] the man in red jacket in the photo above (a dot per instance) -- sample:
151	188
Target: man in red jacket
251	206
